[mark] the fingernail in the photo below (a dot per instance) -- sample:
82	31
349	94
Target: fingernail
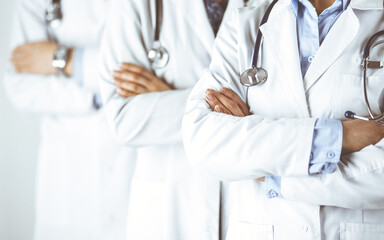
218	109
209	96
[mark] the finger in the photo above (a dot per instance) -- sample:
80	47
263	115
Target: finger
131	77
211	99
136	69
125	94
232	95
215	104
229	104
222	109
130	86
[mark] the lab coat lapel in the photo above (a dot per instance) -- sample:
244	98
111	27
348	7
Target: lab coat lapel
280	32
194	11
339	37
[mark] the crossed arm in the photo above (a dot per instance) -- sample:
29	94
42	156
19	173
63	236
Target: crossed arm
357	134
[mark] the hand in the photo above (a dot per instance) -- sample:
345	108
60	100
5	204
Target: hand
133	80
262	179
358	134
36	58
226	101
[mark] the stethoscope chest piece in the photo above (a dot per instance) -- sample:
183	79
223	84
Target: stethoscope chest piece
158	56
53	14
253	76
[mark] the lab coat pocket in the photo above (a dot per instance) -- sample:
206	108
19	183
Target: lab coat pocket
239	230
349	95
360	231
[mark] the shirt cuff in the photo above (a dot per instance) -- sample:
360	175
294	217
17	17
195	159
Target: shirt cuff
78	66
273	186
97	101
326	146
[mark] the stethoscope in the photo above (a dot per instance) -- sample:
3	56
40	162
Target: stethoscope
53	18
158	55
365	65
258	75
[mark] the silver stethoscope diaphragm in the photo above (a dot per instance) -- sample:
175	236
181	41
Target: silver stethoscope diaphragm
158	56
253	76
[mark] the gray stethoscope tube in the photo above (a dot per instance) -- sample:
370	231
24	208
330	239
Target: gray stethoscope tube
369	64
53	18
257	75
158	55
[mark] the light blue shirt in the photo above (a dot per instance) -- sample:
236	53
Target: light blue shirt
328	133
78	75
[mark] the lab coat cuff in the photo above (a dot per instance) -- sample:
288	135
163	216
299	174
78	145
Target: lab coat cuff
326	146
273	186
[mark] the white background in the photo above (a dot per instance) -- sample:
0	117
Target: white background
18	150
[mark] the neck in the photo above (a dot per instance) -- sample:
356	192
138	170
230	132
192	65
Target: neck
321	5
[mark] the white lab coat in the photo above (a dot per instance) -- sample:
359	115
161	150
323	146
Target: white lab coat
82	174
276	139
169	199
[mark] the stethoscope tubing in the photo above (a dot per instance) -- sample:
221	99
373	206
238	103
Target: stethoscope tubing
260	35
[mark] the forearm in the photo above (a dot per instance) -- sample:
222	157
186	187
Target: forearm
236	148
147	119
47	94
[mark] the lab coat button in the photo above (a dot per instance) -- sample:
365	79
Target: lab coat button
305	228
330	155
310	59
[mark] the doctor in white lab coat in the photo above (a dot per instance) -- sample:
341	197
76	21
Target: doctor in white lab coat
276	139
83	174
170	200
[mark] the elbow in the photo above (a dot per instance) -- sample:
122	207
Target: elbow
17	98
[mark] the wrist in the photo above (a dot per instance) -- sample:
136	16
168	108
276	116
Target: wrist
62	60
347	138
68	69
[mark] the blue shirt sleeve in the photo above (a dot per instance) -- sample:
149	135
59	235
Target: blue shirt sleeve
78	66
325	154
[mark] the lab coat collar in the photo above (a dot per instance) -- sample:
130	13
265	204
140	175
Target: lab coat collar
195	12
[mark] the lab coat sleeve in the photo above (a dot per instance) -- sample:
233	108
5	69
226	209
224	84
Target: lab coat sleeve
234	148
356	183
146	119
37	93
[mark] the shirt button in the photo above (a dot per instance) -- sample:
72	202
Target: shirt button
273	194
310	59
305	228
330	155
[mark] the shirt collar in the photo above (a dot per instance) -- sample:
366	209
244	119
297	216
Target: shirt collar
295	4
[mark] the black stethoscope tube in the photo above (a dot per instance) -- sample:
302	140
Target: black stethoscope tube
260	35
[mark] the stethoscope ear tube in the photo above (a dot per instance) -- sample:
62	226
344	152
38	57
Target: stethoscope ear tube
260	35
159	19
